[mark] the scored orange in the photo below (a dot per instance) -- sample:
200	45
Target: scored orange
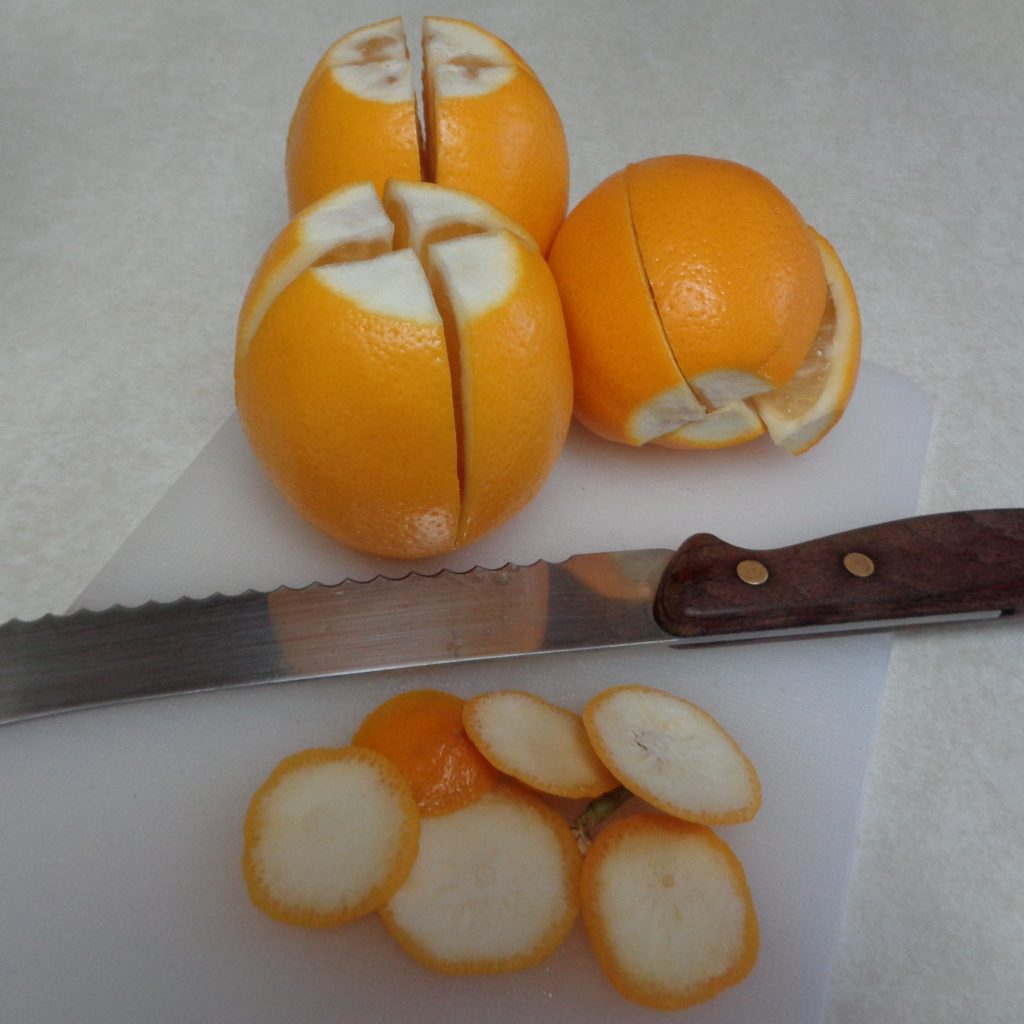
694	293
406	402
421	732
489	126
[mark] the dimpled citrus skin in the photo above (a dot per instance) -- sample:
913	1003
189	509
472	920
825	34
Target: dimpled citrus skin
330	393
605	295
734	270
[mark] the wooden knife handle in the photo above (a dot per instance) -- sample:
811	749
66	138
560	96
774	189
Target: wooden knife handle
945	564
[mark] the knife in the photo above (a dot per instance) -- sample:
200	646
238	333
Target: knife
937	568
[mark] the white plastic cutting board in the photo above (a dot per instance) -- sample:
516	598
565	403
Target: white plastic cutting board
121	898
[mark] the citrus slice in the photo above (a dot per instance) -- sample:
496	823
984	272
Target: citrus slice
668	911
356	117
421	732
801	412
673	754
401	414
538	743
490	127
628	386
494	887
329	837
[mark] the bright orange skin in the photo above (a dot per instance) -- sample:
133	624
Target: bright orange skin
620	356
351	413
421	732
735	272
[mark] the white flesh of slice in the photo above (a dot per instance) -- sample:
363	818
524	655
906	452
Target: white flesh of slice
538	743
490	884
373	63
672	753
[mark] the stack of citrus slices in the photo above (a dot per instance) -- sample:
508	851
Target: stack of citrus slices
437	817
702	310
489	126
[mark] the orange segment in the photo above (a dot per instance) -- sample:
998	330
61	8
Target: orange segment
422	733
345	395
491	128
514	380
736	276
628	384
356	117
800	413
668	911
329	837
494	888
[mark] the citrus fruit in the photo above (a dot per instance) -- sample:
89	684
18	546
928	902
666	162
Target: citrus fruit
494	887
406	401
695	295
329	837
667	910
538	743
673	754
422	733
489	126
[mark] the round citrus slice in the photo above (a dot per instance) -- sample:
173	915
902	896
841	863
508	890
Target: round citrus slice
329	837
538	743
801	412
668	911
356	117
421	732
673	754
494	888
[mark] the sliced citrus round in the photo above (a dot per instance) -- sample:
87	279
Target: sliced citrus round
401	413
801	412
673	754
494	888
329	837
538	743
356	117
490	127
668	911
628	386
421	732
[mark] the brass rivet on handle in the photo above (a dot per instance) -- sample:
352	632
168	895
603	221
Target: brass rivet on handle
858	564
751	571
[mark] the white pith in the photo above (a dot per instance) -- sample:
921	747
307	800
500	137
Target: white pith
393	285
479	272
723	387
672	752
731	421
373	63
670	910
664	412
330	834
489	883
537	743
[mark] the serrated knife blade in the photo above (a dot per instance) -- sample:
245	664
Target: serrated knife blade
958	565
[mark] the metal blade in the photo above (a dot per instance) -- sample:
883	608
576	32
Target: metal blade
62	663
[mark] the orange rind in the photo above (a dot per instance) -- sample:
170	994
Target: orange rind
422	734
536	742
495	887
329	837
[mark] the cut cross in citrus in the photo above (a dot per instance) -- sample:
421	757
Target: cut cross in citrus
701	309
538	743
405	402
494	888
329	837
673	754
490	127
422	733
668	911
